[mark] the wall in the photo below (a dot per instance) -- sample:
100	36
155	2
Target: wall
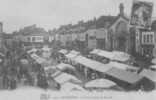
154	50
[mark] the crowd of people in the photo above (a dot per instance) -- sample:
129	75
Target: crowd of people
14	72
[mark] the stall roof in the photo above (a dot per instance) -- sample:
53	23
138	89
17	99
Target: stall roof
149	74
32	50
92	64
123	75
95	51
37	58
153	66
100	83
56	73
24	61
122	66
70	86
72	54
34	56
64	77
41	60
63	66
115	55
106	54
120	56
63	51
46	48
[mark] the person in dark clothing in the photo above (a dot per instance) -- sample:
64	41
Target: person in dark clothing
52	83
5	82
13	83
41	81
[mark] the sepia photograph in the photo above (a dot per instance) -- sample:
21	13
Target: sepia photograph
77	50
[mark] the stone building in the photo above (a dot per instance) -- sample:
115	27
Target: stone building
145	40
102	38
1	34
119	35
153	27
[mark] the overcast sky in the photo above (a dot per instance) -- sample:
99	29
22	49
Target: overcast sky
49	14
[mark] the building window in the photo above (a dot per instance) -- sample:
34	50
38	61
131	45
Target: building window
39	39
151	38
33	39
29	39
144	39
148	39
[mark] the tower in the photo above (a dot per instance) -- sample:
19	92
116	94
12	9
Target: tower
121	8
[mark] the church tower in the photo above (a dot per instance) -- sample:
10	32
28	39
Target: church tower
121	8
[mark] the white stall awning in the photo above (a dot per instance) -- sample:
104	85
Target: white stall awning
94	65
100	83
63	66
64	77
63	51
126	76
149	74
122	66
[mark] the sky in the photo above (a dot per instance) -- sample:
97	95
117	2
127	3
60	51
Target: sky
49	14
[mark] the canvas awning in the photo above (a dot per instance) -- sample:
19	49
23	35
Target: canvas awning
153	66
149	74
34	56
40	60
32	50
72	54
46	48
37	58
64	77
95	51
94	65
63	66
126	76
120	56
105	54
56	73
115	55
71	87
122	66
63	51
50	70
100	83
24	61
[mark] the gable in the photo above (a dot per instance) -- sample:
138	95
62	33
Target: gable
114	25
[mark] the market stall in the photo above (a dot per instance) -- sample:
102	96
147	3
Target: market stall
125	79
151	75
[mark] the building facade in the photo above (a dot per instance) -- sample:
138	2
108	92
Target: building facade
102	38
153	28
119	33
147	43
1	34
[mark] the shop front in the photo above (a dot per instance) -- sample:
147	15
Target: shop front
147	50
